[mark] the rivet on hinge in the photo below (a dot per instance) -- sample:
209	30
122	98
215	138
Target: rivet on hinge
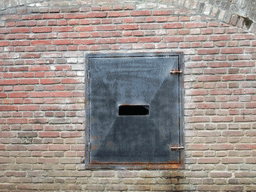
175	71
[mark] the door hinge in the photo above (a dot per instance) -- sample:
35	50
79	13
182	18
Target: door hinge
176	148
88	74
89	146
175	71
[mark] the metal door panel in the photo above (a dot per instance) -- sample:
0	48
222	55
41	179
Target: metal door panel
133	80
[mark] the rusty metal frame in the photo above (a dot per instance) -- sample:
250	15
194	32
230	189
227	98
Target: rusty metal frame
136	165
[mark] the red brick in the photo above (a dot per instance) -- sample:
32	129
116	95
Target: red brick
84	41
208	105
196	92
41	42
41	29
106	28
162	12
74	16
149	39
222	119
57	147
8	82
127	40
196	25
219	64
30	55
129	7
70	81
20	30
70	134
15	173
207	51
20	43
243	36
118	14
231	50
62	42
251	160
245	146
220	174
128	27
85	28
244	64
197	147
140	13
4	43
173	26
210	160
209	78
220	92
17	121
232	105
40	94
219	37
52	16
62	29
31	17
27	186
29	81
29	108
106	41
221	147
250	105
18	95
50	108
3	95
49	81
243	91
232	133
96	14
232	77
49	134
8	108
61	94
150	26
198	119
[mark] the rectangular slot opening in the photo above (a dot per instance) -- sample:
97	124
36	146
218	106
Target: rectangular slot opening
133	110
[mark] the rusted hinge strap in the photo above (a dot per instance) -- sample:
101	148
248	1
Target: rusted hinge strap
176	148
175	71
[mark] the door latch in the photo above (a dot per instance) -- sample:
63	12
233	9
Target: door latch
176	148
175	71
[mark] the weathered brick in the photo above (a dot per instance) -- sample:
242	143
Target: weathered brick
62	42
96	15
128	27
140	13
74	16
118	14
84	28
18	95
53	16
212	160
41	42
207	51
8	108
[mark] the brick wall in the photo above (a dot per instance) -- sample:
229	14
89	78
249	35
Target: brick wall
42	93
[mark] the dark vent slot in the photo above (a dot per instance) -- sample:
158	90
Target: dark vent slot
133	110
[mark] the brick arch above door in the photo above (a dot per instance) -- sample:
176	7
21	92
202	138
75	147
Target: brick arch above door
236	13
